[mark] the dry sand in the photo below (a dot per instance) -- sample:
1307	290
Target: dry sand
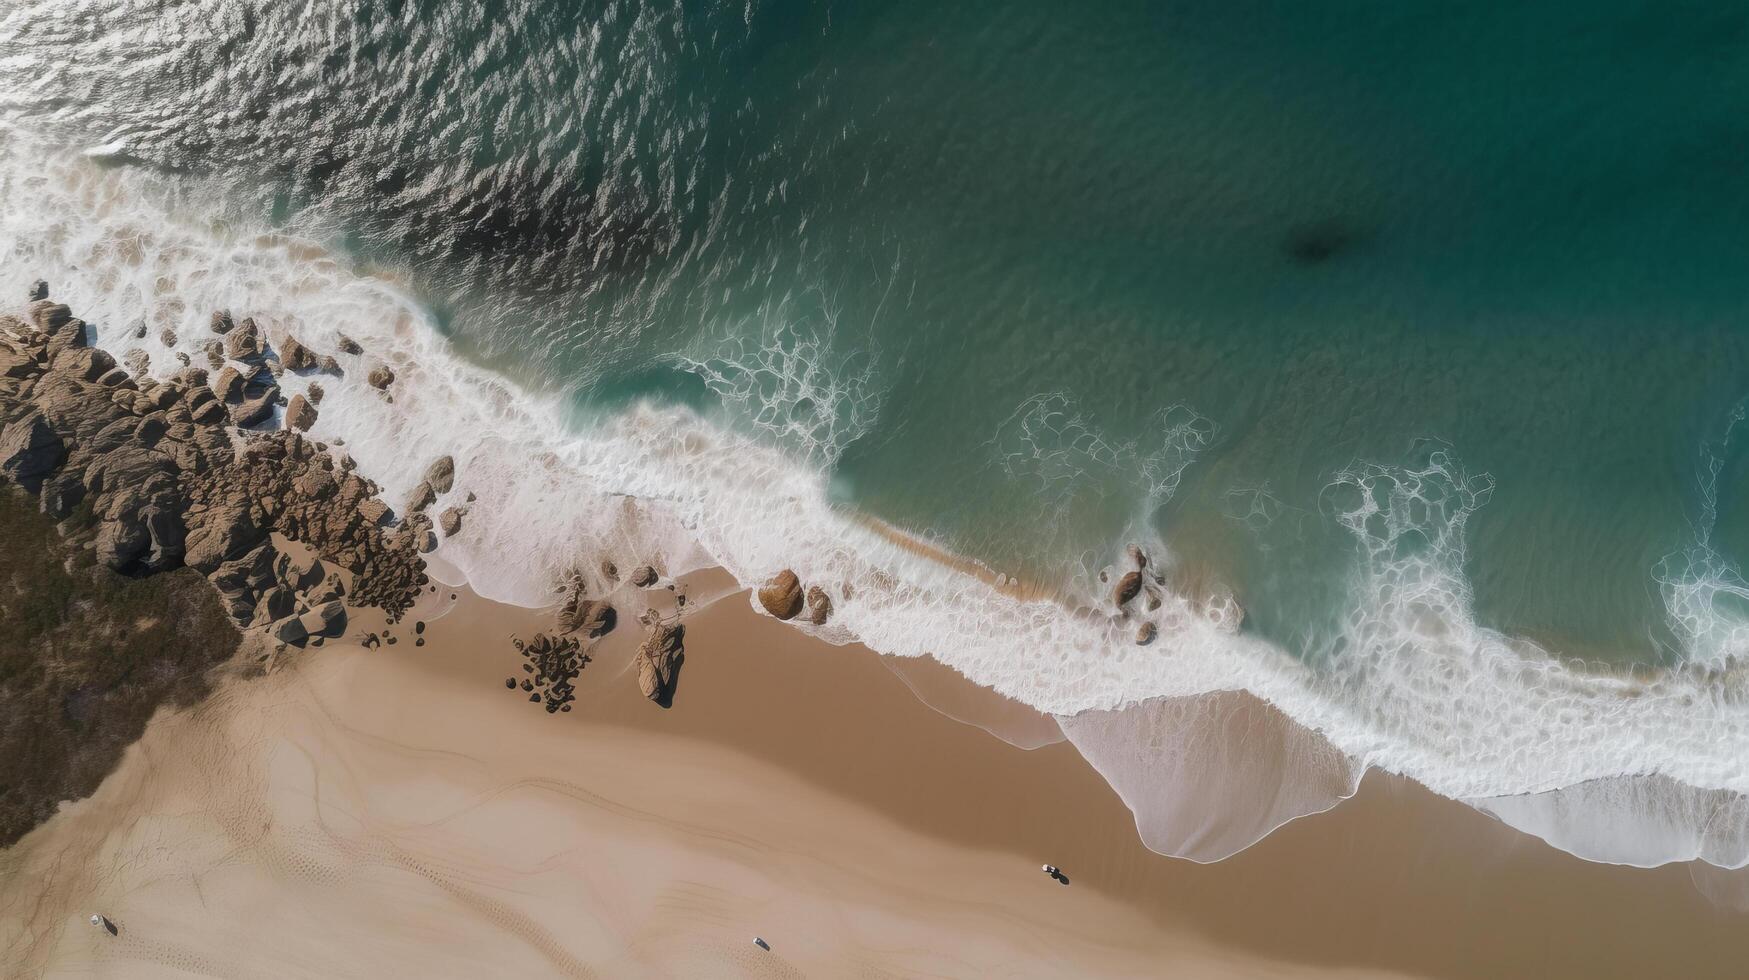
397	812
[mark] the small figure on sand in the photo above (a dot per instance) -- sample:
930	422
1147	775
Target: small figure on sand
1055	872
762	944
102	922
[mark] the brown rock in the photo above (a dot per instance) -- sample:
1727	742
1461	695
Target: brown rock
1128	588
450	521
782	595
819	605
441	474
422	497
644	576
349	346
1138	557
316	393
300	415
381	377
221	322
244	343
1145	634
295	356
659	660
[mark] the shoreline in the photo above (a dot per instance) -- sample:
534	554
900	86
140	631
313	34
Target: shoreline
795	791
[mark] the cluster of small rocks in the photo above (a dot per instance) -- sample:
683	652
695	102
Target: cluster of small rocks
552	663
782	596
157	475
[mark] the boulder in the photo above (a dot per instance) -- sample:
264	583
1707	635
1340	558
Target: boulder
441	474
227	385
591	617
423	496
782	595
300	414
39	290
348	346
221	322
316	393
1145	634
373	511
289	630
659	660
328	619
244	343
49	317
1137	556
254	411
450	521
819	605
167	337
295	356
644	576
380	377
1127	589
119	541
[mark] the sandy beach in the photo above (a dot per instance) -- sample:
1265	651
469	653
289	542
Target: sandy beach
396	812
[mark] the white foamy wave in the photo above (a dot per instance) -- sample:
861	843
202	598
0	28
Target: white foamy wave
1413	685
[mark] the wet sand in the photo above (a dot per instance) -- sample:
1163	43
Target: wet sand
399	812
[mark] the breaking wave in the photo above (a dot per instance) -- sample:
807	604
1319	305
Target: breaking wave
1211	735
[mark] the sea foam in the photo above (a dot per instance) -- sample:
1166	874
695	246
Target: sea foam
1612	768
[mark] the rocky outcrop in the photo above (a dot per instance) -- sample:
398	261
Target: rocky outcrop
658	661
552	664
644	576
161	480
782	595
819	605
300	414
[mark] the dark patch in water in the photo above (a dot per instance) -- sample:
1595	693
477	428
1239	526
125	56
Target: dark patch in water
1318	242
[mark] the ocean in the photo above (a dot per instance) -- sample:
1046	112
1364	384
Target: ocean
1418	333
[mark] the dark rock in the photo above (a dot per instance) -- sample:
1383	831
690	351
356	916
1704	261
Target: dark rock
221	322
1137	557
349	346
167	337
782	595
39	290
316	393
29	449
380	377
1145	634
450	521
644	576
1128	588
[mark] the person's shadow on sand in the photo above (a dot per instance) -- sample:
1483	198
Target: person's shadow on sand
1061	878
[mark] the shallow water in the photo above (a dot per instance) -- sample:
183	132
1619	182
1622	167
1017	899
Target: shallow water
1420	330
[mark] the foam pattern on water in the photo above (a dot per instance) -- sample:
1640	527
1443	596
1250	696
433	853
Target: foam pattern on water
1412	683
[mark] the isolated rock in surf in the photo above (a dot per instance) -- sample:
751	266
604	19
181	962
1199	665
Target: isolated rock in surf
782	595
1127	589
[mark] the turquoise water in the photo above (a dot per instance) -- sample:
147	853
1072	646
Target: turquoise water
1035	281
1327	233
